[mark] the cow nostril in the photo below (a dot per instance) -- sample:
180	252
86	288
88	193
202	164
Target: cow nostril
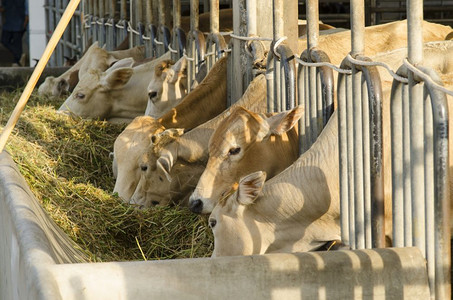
196	206
152	94
154	203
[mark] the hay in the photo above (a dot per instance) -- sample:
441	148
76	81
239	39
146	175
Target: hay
67	166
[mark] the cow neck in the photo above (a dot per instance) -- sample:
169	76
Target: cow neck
305	193
206	101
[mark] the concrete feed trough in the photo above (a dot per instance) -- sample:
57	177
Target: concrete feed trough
38	261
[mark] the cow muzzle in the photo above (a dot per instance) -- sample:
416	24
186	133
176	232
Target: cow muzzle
196	206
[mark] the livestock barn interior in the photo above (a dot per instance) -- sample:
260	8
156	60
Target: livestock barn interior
354	204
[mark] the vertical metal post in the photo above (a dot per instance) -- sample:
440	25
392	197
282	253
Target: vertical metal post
415	56
177	44
357	46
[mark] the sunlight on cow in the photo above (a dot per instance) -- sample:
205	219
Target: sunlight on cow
182	158
96	58
246	142
167	88
298	209
117	95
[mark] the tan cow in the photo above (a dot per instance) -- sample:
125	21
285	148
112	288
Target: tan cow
94	58
378	38
171	167
130	141
118	94
167	88
238	146
203	103
217	178
298	210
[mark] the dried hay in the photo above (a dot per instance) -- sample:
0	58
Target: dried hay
67	166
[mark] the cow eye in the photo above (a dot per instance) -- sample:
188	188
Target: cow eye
154	203
144	168
212	222
80	96
152	94
234	151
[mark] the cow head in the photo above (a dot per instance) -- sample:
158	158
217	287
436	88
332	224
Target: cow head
155	165
53	87
128	148
91	97
167	88
234	228
241	144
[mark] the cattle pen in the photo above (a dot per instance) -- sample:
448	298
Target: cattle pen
39	262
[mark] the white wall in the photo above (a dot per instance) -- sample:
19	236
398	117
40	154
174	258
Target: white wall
37	27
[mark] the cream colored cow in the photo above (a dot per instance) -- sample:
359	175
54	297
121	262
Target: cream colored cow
218	178
298	210
377	39
118	94
203	103
171	167
246	142
94	58
167	88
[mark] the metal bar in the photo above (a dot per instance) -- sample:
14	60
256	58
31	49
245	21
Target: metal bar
429	190
374	156
442	252
123	12
366	162
343	160
407	169
358	160
194	14
415	56
312	23
251	18
278	30
314	130
397	164
357	27
350	160
214	16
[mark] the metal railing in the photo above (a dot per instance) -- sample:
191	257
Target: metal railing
70	45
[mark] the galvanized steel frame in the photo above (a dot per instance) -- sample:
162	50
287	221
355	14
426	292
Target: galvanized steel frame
71	43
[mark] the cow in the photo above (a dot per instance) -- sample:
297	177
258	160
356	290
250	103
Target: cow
217	179
94	58
237	147
377	39
173	163
129	142
117	95
298	209
167	88
203	103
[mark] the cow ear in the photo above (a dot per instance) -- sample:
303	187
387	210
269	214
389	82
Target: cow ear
284	121
166	135
165	163
117	78
62	86
172	76
122	63
250	187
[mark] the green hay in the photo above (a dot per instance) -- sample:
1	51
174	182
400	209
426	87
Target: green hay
67	166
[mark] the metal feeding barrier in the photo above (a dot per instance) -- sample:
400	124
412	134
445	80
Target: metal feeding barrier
70	45
419	139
